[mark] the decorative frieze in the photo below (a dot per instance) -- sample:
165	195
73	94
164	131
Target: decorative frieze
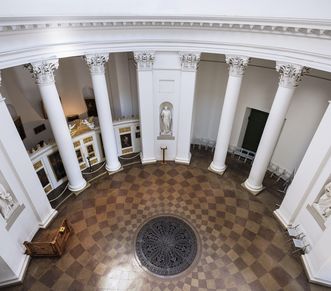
315	29
43	72
237	64
190	61
96	63
290	74
144	60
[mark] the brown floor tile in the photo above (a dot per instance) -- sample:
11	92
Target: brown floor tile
243	247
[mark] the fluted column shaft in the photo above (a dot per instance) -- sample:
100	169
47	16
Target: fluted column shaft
290	76
43	73
96	65
237	65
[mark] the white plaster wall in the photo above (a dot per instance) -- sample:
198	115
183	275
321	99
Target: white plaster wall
123	85
209	95
23	228
282	8
166	83
258	90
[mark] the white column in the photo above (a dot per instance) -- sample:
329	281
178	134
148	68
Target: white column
43	72
311	166
237	66
189	62
96	64
17	157
144	61
290	76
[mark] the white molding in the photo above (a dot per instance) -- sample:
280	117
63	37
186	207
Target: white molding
148	161
285	224
311	273
183	161
34	54
48	219
308	38
22	270
317	28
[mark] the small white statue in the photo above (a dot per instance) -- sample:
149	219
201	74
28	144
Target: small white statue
7	203
89	123
71	126
166	119
324	203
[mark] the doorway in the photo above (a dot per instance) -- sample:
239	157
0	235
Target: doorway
255	126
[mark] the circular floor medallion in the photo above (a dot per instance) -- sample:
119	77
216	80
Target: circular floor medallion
166	245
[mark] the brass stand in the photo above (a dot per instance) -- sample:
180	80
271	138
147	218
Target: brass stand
163	154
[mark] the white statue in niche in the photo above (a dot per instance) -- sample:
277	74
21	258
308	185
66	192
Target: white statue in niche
7	203
324	203
166	120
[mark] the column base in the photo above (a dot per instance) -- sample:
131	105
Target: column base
80	191
21	274
115	169
217	170
252	189
48	219
114	172
78	188
308	267
281	219
184	161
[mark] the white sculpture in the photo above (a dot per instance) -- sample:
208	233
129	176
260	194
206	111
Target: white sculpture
166	119
324	203
7	203
89	123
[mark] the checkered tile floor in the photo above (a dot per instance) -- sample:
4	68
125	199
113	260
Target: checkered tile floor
242	245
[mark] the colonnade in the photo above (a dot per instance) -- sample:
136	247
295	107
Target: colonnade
290	76
43	73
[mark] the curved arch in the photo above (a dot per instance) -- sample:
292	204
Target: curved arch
305	44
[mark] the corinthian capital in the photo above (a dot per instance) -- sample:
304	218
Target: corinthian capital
144	60
43	72
290	74
190	61
96	63
237	64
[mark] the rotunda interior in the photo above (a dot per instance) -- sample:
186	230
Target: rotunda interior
187	148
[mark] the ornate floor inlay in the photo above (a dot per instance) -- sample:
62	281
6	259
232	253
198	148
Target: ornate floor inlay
166	245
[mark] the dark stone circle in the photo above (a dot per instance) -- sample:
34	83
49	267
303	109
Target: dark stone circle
166	245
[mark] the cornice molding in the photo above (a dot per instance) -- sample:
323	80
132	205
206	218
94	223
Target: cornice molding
303	27
144	60
290	74
96	63
189	61
43	71
237	65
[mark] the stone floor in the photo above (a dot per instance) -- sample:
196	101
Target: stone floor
242	245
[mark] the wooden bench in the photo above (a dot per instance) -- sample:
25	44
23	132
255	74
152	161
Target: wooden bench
51	244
